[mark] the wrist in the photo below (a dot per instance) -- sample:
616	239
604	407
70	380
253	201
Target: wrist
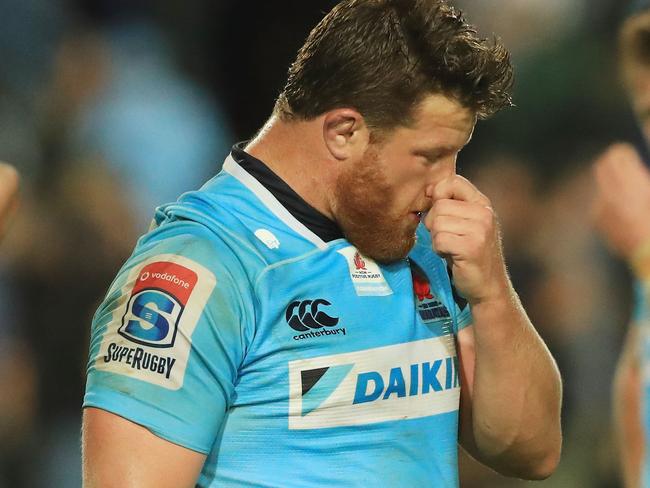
499	295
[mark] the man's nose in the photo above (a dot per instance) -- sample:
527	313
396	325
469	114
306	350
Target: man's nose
442	173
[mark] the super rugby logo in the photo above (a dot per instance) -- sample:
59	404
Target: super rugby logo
305	315
156	304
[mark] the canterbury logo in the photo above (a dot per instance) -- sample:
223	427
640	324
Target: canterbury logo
305	315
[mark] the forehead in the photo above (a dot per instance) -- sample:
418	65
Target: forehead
440	120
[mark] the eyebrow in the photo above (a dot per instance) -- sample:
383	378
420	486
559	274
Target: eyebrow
436	152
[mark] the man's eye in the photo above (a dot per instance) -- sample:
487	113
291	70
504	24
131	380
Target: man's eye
432	158
427	158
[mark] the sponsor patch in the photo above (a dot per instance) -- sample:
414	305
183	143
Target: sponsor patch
309	318
365	274
157	301
149	336
399	382
430	308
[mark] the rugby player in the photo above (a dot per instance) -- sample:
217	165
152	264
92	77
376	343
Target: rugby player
333	308
621	214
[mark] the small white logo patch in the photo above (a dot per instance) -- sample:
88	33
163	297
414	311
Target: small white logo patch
366	275
267	237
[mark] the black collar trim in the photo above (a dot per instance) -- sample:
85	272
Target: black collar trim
311	218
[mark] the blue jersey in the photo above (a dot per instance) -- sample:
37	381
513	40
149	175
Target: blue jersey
641	317
236	331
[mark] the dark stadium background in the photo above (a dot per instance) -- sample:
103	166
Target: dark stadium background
110	107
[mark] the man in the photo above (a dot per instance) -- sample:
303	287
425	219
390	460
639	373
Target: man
621	214
290	324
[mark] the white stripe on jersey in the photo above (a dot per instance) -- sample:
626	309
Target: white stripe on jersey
267	198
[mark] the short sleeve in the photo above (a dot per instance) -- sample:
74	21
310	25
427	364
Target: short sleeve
462	310
168	339
463	317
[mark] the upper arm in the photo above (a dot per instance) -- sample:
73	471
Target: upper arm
120	453
165	351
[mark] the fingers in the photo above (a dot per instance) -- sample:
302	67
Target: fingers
475	228
459	208
459	217
450	244
457	187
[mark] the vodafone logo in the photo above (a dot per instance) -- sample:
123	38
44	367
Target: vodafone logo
171	278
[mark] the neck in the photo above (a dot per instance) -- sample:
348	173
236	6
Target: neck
296	153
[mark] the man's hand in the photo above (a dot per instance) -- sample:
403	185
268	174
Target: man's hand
510	386
464	231
622	206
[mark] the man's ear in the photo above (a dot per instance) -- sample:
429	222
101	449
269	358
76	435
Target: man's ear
345	133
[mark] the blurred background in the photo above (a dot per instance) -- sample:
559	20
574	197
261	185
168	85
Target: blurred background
109	108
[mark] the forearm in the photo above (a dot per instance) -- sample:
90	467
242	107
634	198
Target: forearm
516	392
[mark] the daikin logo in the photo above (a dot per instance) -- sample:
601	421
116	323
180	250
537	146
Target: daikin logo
417	379
398	382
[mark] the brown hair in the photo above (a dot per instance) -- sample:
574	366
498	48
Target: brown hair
383	57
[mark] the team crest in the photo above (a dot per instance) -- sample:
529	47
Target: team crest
359	263
429	307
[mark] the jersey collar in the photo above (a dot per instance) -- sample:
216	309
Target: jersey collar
280	198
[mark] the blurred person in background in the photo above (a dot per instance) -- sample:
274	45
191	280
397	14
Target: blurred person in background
213	358
622	215
93	111
17	374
